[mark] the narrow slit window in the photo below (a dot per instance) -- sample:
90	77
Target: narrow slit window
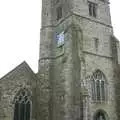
96	41
59	13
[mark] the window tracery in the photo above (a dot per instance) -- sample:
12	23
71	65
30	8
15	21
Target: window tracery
22	109
99	86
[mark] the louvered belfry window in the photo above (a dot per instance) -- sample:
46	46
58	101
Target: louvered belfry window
22	109
92	9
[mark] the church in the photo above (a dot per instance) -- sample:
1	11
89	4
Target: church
78	74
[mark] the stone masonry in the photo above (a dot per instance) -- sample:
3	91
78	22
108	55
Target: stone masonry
72	49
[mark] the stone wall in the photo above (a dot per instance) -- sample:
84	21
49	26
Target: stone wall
18	79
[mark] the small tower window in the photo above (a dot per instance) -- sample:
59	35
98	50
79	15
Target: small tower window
92	9
96	41
59	13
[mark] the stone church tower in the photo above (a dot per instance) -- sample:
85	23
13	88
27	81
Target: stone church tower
78	75
78	55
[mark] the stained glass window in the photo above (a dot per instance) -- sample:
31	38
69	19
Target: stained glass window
22	106
99	86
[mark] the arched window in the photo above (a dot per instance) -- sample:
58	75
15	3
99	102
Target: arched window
100	116
22	108
99	86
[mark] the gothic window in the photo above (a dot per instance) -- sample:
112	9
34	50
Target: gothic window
99	86
100	116
59	12
92	9
22	109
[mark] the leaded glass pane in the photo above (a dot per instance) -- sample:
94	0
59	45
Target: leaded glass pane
16	111
28	111
102	90
22	107
98	89
93	90
99	92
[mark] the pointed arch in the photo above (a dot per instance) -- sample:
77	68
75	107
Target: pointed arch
26	90
100	115
22	105
99	86
98	74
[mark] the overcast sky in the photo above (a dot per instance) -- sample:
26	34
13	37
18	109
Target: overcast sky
20	32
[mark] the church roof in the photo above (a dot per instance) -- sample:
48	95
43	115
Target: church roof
21	68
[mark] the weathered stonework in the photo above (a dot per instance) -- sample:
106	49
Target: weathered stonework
62	88
21	77
79	58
